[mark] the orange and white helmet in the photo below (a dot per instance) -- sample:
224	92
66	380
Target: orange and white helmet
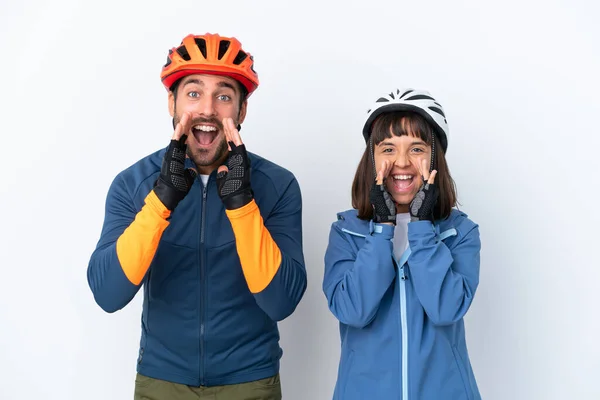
210	54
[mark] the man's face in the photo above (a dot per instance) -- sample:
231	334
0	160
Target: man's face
208	99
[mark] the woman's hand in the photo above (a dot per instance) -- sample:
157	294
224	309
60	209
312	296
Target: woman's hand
384	207
422	206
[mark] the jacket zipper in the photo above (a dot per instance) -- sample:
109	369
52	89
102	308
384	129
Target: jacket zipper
404	325
403	316
202	284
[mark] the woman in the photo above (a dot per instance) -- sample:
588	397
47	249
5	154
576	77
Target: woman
402	266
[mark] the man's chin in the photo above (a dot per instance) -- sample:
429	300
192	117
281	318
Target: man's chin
206	157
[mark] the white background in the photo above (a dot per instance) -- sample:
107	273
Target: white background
81	100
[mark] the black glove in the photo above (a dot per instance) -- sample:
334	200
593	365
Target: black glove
174	181
234	185
421	207
384	207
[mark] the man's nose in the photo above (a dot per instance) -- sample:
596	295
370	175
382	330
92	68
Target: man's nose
206	107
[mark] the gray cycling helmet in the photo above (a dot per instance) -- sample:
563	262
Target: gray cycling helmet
418	101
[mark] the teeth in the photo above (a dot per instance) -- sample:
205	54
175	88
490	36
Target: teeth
205	128
403	177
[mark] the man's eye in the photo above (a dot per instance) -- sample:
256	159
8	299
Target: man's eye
224	97
193	94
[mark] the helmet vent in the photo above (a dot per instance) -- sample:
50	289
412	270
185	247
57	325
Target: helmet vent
407	92
223	46
437	110
420	97
183	53
240	57
201	43
168	59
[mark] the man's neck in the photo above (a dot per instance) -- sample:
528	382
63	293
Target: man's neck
208	169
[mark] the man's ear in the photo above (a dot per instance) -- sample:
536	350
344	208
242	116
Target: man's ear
171	104
242	114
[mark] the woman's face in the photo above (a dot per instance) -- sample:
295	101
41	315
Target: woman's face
403	159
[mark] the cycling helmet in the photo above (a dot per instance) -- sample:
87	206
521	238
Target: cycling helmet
418	101
210	54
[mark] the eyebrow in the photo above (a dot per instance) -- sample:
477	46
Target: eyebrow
221	84
193	80
226	85
387	143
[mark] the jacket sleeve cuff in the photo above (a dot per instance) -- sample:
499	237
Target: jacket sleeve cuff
383	230
421	228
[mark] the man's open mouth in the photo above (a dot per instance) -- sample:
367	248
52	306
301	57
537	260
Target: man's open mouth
205	134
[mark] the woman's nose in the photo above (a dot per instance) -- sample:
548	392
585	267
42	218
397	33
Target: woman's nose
402	161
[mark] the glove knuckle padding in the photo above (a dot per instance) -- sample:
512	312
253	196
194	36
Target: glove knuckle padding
237	173
417	202
174	180
235	160
424	202
179	183
178	154
384	208
230	187
176	167
234	185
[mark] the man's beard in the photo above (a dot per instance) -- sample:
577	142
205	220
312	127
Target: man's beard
203	157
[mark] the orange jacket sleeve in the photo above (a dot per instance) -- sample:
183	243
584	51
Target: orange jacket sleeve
126	248
259	254
138	243
270	251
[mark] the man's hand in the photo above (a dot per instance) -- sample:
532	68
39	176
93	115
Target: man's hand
174	181
233	179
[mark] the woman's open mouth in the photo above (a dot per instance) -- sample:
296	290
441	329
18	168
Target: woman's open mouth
403	183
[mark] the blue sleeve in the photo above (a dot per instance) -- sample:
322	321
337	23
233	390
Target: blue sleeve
111	289
445	280
354	283
283	294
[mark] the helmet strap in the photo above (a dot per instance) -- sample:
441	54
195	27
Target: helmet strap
372	154
432	165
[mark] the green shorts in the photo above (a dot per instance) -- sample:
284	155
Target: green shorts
155	389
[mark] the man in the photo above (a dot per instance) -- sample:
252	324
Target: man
211	232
